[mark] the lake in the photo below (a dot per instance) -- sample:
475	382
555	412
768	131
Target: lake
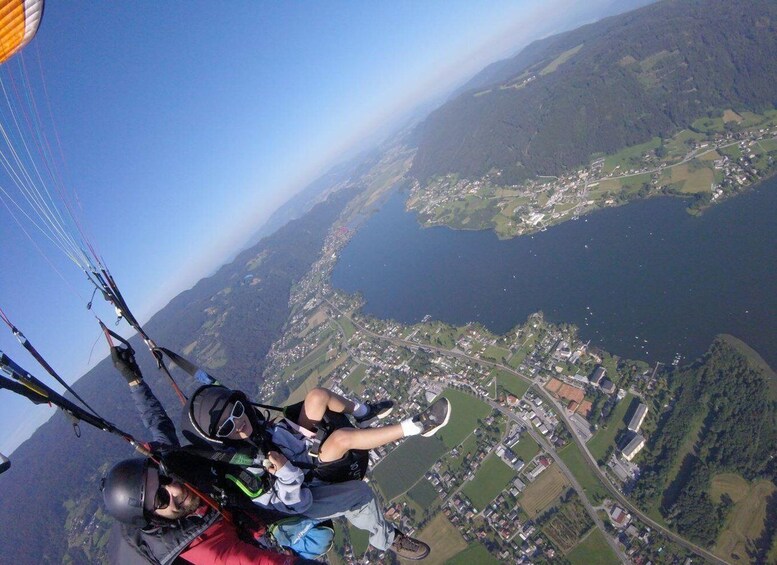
644	281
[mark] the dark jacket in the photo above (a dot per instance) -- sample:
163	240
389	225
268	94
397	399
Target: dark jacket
161	544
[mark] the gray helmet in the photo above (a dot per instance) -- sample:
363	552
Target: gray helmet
124	491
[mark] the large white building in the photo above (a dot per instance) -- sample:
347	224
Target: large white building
635	446
638	418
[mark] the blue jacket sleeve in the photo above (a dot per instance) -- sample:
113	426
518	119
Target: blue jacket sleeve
154	417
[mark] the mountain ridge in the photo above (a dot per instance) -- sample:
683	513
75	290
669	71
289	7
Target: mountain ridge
624	83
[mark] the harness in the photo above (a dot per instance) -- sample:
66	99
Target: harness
351	466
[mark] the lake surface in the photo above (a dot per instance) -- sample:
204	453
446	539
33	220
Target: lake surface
644	281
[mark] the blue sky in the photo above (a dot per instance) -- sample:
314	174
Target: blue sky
184	125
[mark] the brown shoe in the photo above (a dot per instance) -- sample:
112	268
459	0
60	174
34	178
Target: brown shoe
409	548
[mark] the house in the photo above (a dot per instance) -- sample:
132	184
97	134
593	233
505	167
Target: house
598	375
607	386
582	379
619	517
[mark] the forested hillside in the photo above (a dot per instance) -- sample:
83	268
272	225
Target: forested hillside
721	418
50	506
605	86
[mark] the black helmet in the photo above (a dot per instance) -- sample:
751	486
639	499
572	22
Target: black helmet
124	491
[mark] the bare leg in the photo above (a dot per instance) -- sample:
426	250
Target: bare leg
344	439
318	401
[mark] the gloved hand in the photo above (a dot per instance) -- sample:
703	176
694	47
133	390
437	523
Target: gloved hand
124	360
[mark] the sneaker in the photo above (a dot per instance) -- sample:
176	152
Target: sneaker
434	417
409	548
375	411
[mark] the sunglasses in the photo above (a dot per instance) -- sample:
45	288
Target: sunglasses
162	496
228	426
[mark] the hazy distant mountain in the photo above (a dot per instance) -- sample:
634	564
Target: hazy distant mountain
226	322
495	72
604	86
334	179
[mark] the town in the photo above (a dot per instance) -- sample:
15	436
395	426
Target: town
542	451
716	159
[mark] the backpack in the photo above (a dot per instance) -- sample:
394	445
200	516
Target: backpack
306	537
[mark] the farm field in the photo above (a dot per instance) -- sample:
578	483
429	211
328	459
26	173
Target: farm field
526	449
510	382
319	374
746	520
353	382
543	492
315	320
443	538
474	554
466	410
605	437
468	446
516	360
401	468
593	549
423	494
492	477
498	354
360	539
347	325
629	157
692	180
567	526
591	484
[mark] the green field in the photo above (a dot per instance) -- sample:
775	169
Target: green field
406	464
692	177
634	183
746	521
591	484
593	549
466	410
510	382
629	157
605	437
768	145
353	382
516	360
526	449
568	525
474	554
423	494
360	540
560	60
348	326
490	480
468	446
708	125
732	151
498	354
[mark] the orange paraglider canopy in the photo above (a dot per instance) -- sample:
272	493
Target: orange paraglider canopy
19	20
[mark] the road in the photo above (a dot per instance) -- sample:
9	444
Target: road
589	458
575	485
